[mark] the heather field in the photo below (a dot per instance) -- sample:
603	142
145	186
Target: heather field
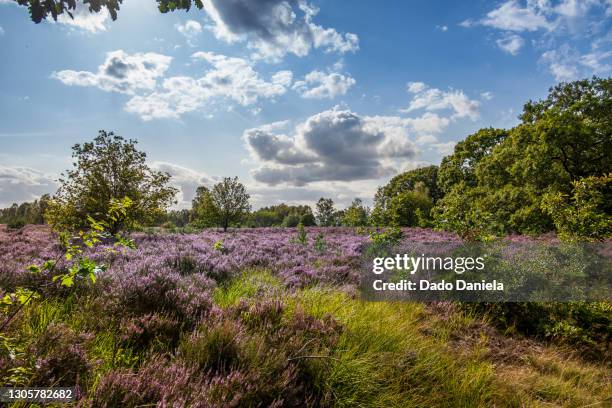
256	317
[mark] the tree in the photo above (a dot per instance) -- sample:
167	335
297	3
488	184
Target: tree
204	211
109	168
325	212
41	10
277	215
496	180
22	214
414	189
231	201
356	215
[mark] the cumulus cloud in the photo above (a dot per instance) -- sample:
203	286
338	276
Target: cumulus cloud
511	44
228	78
185	180
434	99
273	28
334	145
19	184
120	72
321	85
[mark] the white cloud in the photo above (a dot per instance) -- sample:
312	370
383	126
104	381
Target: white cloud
560	29
190	29
120	72
567	63
433	99
229	78
511	16
334	145
320	85
85	20
511	44
1	30
275	27
19	184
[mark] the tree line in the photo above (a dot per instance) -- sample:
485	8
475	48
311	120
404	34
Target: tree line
551	172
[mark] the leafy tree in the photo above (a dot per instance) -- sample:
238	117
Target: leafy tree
41	10
109	168
275	216
461	165
356	215
231	201
325	214
179	218
416	190
586	213
410	208
264	218
22	214
204	211
496	180
292	221
308	219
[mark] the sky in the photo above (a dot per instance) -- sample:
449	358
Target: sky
299	99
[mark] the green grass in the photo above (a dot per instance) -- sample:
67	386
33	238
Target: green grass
388	354
397	354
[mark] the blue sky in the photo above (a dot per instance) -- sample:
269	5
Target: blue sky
299	99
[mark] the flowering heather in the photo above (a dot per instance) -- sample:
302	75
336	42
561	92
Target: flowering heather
178	264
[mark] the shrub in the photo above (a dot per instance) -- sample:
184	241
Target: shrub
587	213
61	359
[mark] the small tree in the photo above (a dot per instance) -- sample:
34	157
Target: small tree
204	212
325	212
109	168
231	201
356	215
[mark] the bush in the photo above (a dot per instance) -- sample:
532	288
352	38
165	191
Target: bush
291	221
584	325
587	214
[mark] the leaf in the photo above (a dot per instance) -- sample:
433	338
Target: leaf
34	269
67	280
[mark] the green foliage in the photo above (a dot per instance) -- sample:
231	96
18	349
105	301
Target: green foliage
282	215
218	246
302	236
292	221
81	266
18	215
107	169
460	167
586	325
406	195
204	212
320	245
519	181
388	237
325	212
356	215
42	10
225	205
587	213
